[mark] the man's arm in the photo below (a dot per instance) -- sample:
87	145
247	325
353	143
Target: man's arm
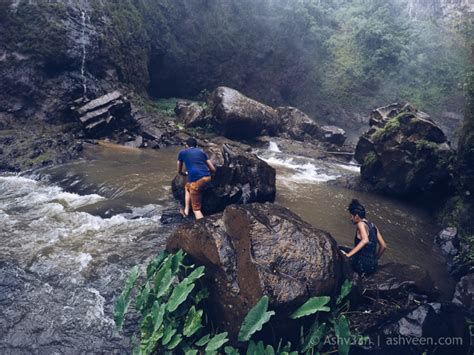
363	242
180	168
211	166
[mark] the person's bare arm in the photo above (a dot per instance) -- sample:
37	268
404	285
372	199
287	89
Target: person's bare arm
211	166
180	168
382	244
363	241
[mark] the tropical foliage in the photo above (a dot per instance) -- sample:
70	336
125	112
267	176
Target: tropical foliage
172	318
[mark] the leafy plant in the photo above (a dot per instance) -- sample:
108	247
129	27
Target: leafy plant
170	314
172	320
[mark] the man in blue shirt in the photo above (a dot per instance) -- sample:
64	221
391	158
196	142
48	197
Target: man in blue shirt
199	169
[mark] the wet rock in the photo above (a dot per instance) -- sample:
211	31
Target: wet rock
136	143
102	116
464	293
334	135
448	242
191	114
238	116
406	154
241	177
171	216
297	125
395	281
430	328
259	249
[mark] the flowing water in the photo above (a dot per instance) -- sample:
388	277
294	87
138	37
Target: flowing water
70	234
84	52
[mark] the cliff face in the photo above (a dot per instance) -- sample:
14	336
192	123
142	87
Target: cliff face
446	9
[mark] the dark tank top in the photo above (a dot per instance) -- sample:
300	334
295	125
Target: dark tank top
365	261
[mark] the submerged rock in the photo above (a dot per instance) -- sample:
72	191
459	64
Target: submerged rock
260	249
406	154
395	280
241	177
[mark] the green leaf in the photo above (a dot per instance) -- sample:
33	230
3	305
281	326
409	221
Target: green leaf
142	297
196	274
343	334
269	350
193	322
217	341
163	281
179	295
314	336
169	331
204	340
255	319
123	300
155	264
190	352
256	348
313	305
174	342
345	290
157	314
230	350
251	348
177	261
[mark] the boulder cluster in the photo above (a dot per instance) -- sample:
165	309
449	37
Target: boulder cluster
406	154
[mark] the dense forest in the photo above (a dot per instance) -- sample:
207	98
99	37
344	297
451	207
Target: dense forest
330	58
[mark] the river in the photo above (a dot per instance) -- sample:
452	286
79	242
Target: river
69	235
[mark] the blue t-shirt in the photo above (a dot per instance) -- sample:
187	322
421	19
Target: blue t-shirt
195	161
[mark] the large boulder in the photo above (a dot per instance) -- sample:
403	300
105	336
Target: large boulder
238	116
406	154
260	249
299	126
241	177
395	281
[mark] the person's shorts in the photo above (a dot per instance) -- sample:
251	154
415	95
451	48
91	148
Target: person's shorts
195	189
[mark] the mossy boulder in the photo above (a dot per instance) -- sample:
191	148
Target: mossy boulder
406	154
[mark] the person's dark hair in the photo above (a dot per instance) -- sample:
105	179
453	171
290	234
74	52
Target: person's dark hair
356	208
191	142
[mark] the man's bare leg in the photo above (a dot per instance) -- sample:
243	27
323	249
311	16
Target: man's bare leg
198	214
187	202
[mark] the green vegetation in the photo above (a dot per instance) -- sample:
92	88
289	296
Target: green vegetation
172	318
370	159
166	106
388	130
426	145
35	29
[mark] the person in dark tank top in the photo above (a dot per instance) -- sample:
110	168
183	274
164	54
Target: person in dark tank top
365	254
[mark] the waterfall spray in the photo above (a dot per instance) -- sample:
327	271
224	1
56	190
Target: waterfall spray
83	43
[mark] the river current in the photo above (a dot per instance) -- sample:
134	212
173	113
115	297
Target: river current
69	235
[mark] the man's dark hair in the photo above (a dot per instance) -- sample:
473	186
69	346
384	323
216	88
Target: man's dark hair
191	142
356	208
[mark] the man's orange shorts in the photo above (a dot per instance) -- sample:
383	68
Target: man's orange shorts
195	189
